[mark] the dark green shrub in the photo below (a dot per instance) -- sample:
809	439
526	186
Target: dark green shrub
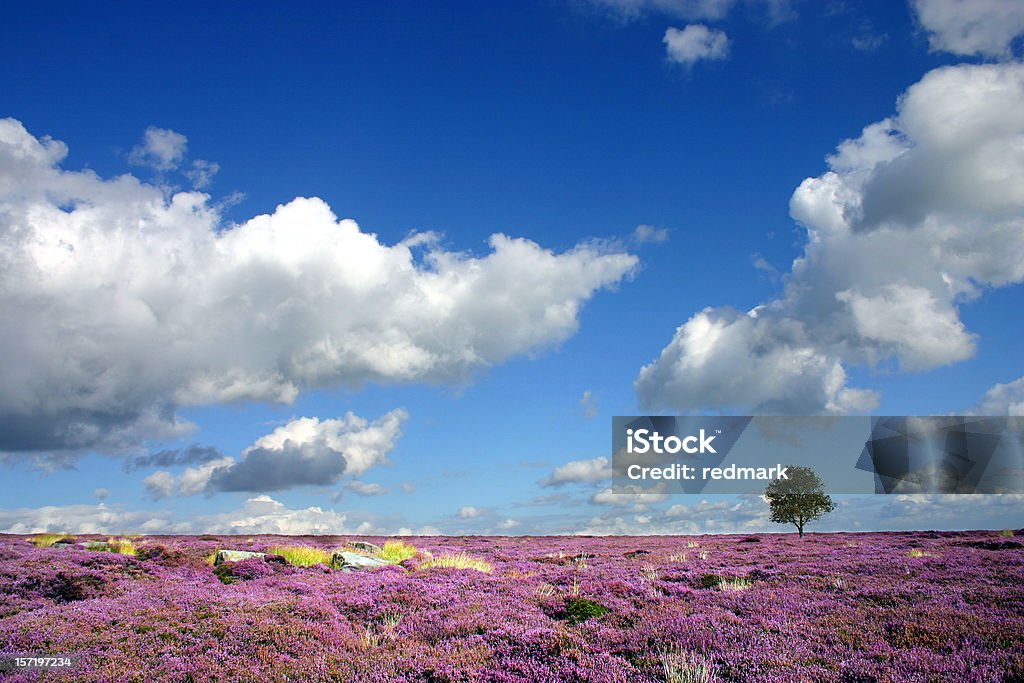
581	609
709	581
223	572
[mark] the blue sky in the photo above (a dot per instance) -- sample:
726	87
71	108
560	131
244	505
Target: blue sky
703	206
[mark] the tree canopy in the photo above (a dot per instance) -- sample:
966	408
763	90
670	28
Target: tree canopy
799	499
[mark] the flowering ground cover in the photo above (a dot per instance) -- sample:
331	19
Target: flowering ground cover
834	607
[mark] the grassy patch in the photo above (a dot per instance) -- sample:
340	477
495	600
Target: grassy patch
724	583
396	551
580	609
46	540
734	584
682	666
223	573
121	546
457	561
302	555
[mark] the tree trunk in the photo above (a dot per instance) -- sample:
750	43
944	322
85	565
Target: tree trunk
800	528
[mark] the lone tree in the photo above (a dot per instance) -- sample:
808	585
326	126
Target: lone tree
799	499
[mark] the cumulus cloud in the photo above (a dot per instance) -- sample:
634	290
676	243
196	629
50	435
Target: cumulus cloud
259	515
580	472
101	494
1002	399
161	149
163	484
914	218
86	519
750	514
121	302
264	515
635	499
972	27
694	43
507	524
469	512
304	452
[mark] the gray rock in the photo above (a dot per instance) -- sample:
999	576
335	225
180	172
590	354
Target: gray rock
82	545
367	547
234	556
347	561
95	545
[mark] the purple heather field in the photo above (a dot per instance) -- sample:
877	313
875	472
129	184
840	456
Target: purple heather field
920	606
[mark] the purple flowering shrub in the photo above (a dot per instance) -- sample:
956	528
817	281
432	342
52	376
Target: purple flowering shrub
835	607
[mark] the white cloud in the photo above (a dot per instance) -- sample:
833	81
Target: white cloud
121	304
608	497
588	404
869	42
363	489
915	217
469	512
163	484
644	234
972	27
580	471
681	9
86	519
202	172
743	514
264	515
694	43
160	484
408	487
425	530
304	452
161	149
101	494
1002	399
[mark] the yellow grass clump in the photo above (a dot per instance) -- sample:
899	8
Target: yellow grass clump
396	551
734	584
458	561
46	540
121	546
302	555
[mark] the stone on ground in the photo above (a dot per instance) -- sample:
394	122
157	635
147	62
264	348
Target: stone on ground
234	556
